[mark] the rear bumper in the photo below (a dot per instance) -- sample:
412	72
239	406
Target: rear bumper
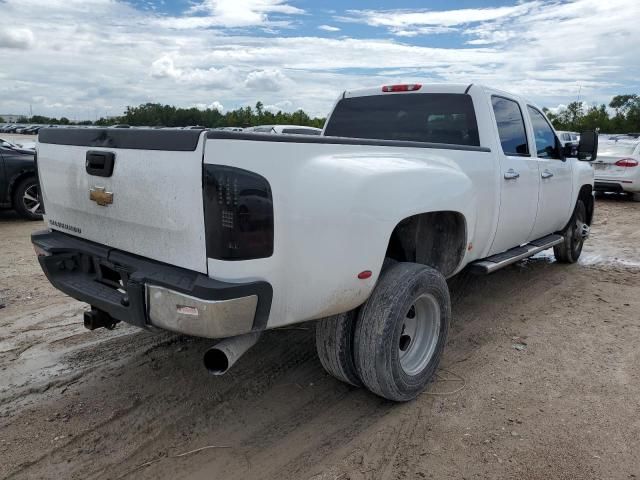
147	293
618	186
607	186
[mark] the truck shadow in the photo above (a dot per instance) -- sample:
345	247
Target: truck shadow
10	216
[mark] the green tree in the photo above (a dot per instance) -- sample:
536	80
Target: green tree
626	118
622	103
259	109
595	118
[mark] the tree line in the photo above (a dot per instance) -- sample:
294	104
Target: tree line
624	119
623	116
155	114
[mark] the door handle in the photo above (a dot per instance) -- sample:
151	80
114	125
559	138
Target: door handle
511	174
546	174
99	164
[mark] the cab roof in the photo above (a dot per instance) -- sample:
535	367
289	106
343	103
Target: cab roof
422	88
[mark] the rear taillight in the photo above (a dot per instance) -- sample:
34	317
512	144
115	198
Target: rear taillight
627	162
238	211
411	87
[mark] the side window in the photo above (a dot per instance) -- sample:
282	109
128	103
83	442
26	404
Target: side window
513	136
545	138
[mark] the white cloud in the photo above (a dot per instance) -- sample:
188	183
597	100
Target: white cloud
18	38
102	55
216	105
233	14
328	28
284	106
164	68
266	80
410	23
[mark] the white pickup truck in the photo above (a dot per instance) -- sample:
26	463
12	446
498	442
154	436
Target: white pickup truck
225	234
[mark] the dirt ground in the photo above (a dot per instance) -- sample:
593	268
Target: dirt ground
548	353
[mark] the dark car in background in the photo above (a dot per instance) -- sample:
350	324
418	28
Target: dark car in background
19	188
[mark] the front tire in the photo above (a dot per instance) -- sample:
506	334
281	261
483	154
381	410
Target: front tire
401	331
27	199
574	235
635	197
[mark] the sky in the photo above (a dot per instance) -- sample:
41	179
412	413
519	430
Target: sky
91	58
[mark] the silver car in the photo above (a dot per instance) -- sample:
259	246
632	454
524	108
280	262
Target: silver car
617	168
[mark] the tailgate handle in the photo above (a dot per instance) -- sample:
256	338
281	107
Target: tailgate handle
100	164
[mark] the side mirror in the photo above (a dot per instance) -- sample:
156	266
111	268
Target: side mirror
588	146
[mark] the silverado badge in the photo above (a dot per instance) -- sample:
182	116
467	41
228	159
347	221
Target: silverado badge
101	196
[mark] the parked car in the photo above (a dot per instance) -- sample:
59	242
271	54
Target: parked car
619	136
19	187
230	129
569	139
32	130
9	144
287	129
358	228
617	167
30	146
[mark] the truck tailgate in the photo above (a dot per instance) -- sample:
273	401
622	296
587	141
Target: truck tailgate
149	205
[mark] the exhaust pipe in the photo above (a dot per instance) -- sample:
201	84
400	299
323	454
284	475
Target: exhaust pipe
221	357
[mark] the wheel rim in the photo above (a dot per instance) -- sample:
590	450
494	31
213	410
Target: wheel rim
580	233
31	199
419	336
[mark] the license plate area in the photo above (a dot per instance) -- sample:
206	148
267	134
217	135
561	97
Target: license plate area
111	275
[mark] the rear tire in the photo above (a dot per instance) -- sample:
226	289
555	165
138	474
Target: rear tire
570	249
401	331
334	341
27	200
334	344
635	197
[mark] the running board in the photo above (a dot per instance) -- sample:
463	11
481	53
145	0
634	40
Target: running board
501	260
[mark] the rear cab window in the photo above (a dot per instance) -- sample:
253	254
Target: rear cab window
417	117
511	129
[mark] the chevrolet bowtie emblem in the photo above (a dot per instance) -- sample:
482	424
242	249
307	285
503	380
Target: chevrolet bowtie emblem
101	196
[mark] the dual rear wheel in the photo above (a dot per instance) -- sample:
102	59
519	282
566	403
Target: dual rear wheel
393	344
